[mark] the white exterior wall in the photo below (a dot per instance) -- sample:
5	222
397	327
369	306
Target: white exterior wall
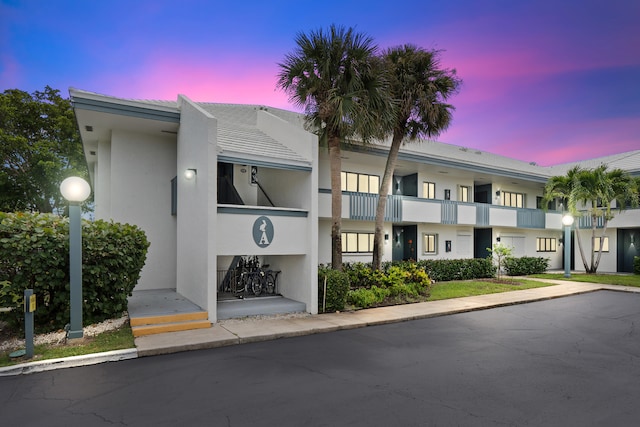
197	205
102	182
608	260
140	173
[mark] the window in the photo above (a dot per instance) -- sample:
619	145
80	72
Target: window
360	182
430	244
550	206
357	242
605	244
463	193
546	244
515	200
429	190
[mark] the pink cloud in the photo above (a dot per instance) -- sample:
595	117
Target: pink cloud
232	80
10	72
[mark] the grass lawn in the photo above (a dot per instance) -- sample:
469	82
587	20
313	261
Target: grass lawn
118	339
607	279
465	288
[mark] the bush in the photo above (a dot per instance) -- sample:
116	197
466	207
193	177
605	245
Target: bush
525	265
336	289
636	264
444	270
365	298
34	254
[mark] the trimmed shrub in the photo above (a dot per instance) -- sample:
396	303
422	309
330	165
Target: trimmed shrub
525	265
636	264
336	290
444	270
34	254
365	298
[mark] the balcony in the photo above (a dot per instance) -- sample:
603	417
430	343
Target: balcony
362	207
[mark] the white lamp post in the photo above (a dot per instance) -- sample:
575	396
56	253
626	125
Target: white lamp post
75	190
567	220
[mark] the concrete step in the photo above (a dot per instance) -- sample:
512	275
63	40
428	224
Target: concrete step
169	323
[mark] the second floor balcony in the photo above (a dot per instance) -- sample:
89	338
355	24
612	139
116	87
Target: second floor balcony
408	209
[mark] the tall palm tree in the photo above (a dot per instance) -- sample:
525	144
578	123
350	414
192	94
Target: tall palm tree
332	75
421	89
593	193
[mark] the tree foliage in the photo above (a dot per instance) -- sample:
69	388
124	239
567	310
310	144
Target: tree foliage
421	88
334	76
34	254
39	147
593	194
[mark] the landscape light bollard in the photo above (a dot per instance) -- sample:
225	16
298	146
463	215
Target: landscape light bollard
75	190
567	221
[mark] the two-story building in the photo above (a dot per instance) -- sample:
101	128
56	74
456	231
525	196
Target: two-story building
213	185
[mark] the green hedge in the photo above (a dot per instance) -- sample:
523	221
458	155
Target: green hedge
636	264
336	290
444	270
34	253
525	265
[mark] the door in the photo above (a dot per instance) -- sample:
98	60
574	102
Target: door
482	241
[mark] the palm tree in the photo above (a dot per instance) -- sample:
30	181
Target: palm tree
421	88
593	193
332	75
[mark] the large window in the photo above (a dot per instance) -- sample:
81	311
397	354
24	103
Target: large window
360	182
605	244
515	200
546	244
463	193
357	242
429	190
429	244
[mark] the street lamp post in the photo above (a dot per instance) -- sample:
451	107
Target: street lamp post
75	190
567	220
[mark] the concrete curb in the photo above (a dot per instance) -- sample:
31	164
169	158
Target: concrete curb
69	362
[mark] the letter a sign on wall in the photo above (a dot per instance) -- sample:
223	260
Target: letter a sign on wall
263	231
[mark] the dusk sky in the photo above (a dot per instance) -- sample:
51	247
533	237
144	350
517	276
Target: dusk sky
550	81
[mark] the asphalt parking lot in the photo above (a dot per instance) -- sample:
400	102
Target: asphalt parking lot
561	362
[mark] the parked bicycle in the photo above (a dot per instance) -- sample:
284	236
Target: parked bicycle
250	277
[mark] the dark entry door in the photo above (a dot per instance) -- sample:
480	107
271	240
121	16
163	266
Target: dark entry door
481	241
405	243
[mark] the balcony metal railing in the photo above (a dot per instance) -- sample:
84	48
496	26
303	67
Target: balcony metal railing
362	206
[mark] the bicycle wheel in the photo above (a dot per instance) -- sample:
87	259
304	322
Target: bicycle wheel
256	284
271	284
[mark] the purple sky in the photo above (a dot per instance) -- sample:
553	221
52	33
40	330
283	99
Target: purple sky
548	81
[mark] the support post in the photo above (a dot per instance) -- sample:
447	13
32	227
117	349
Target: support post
75	270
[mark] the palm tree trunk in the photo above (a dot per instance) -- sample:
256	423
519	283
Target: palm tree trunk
382	201
336	202
604	230
594	221
584	259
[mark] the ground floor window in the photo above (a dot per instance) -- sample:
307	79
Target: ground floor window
430	244
357	242
605	244
546	244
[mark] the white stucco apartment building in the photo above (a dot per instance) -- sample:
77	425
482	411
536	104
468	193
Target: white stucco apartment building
201	178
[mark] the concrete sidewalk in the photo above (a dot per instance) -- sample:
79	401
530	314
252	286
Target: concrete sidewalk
233	332
239	332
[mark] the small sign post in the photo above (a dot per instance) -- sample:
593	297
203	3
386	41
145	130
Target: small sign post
29	308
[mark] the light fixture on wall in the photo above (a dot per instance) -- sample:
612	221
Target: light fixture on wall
190	174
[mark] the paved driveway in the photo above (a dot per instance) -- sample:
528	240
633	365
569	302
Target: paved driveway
564	362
